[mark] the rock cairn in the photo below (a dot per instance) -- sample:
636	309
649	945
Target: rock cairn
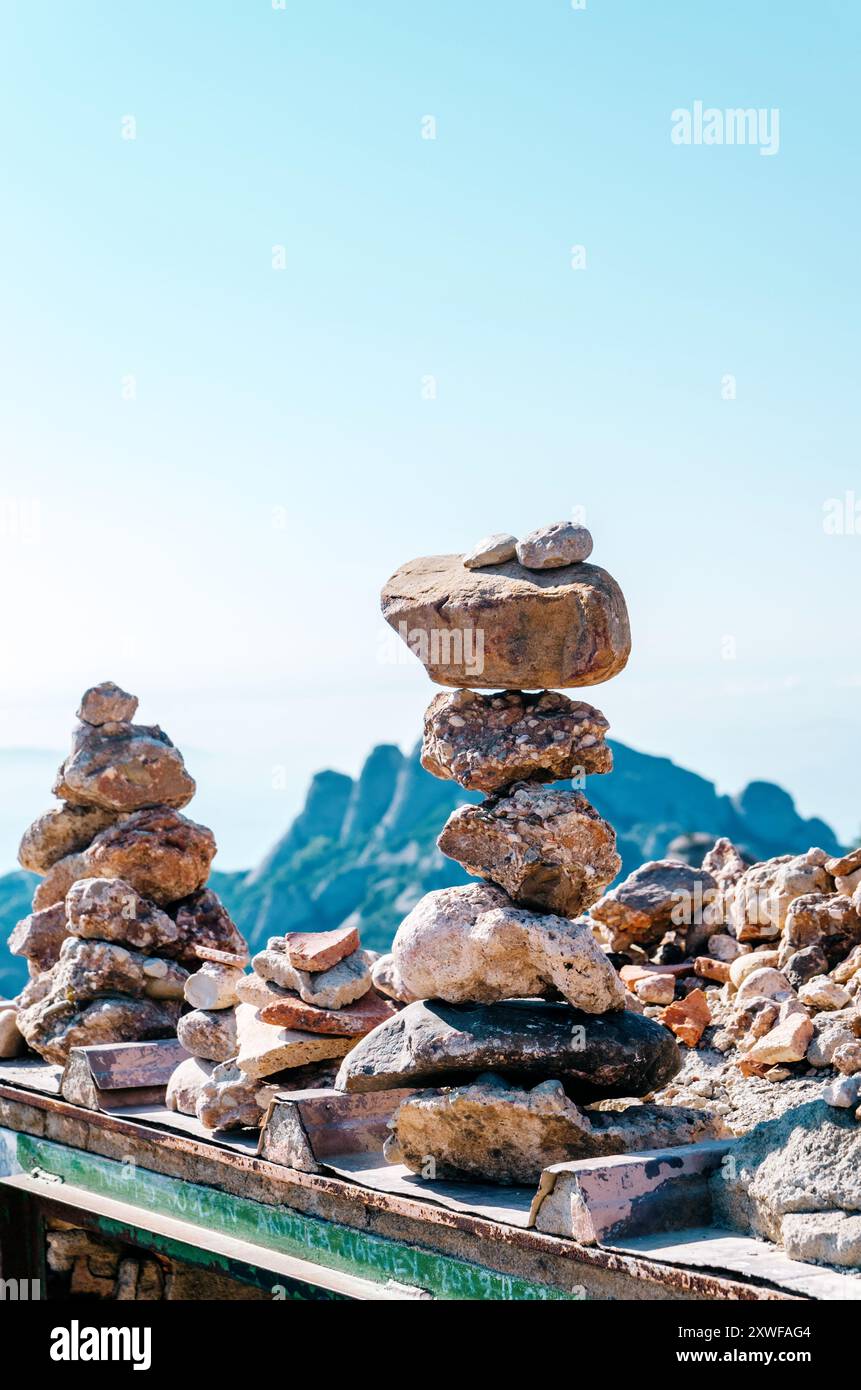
514	1013
122	914
285	1026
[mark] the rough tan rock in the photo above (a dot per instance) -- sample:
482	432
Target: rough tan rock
549	629
228	1099
53	1026
209	1033
655	989
743	966
823	993
493	1131
492	550
471	943
430	1043
186	1083
825	1043
264	1049
765	983
12	1042
87	969
551	547
547	849
788	1041
205	925
849	966
253	989
320	950
37	987
161	853
764	893
829	920
847	864
109	909
386	978
724	862
213	986
846	1057
58	880
328	989
486	742
64	830
123	767
658	895
107	704
353	1021
40	936
710	969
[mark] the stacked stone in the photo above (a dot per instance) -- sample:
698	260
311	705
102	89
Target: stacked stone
518	1013
122	910
284	1027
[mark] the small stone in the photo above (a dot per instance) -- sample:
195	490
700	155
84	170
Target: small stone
656	989
162	854
848	883
846	864
107	704
62	831
765	892
386	978
213	986
40	936
804	965
185	1085
54	1026
353	1021
547	849
551	547
429	1043
123	767
471	944
788	1041
486	742
328	989
847	968
765	983
723	947
656	896
209	1033
12	1042
228	1099
847	1057
710	969
724	863
109	909
825	1043
822	993
823	1237
507	628
844	1092
315	951
58	880
492	550
265	1049
253	989
688	1018
87	969
205	926
745	965
829	920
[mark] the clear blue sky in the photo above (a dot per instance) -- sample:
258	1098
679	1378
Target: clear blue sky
217	543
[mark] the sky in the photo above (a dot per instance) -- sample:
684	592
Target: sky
294	292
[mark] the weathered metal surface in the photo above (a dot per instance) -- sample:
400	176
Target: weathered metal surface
531	1254
120	1074
304	1128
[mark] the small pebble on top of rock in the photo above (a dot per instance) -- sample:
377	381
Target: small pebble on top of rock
107	704
550	547
492	550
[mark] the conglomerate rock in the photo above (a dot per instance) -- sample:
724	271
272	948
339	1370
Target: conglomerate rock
55	1025
490	1130
123	767
594	1055
109	909
87	969
58	880
507	626
471	944
162	854
486	742
203	921
64	830
547	849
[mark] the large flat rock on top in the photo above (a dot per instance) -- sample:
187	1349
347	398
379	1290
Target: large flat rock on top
507	626
431	1043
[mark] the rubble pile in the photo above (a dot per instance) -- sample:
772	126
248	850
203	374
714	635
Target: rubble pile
122	912
514	1018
